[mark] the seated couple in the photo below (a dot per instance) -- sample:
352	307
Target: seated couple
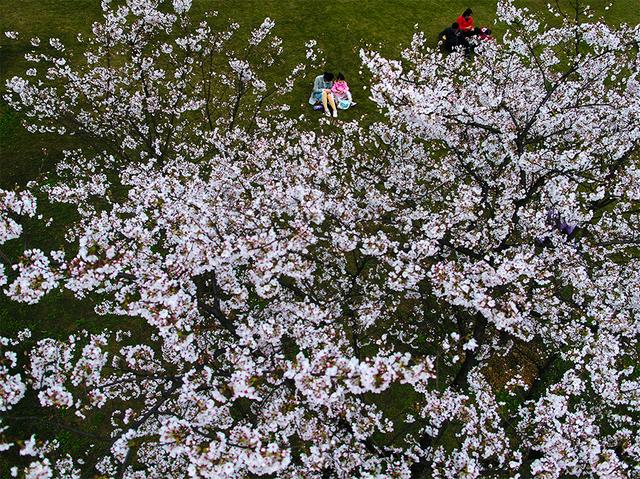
459	32
330	93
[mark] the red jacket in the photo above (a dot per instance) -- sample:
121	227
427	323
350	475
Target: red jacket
465	24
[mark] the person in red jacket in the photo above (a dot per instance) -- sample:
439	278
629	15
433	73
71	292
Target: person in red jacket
465	22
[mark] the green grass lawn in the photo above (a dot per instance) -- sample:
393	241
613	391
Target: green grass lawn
341	28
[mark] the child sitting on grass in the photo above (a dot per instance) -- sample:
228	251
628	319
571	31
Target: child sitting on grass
341	95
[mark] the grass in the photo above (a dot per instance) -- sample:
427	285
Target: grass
341	28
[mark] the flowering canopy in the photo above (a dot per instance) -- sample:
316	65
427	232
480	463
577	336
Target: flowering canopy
394	302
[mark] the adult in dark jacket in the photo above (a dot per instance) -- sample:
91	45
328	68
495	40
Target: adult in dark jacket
451	37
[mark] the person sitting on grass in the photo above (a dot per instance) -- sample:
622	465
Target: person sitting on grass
484	34
465	23
329	101
341	94
321	83
451	37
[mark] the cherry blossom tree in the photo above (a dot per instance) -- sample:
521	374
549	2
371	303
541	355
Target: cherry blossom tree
451	292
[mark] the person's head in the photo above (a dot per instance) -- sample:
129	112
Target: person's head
455	25
327	76
340	77
467	13
486	31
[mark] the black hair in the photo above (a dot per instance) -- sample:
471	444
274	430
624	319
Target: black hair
340	76
467	12
455	25
327	76
487	31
